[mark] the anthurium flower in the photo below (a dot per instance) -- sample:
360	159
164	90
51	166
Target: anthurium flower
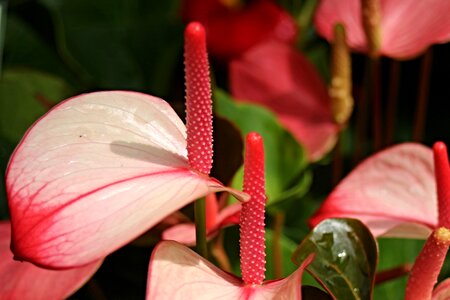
22	280
406	27
216	219
393	192
198	278
100	169
425	271
278	77
233	27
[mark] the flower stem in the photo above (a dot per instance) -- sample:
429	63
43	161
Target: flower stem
198	117
375	93
393	273
277	252
200	227
220	255
422	99
361	118
394	79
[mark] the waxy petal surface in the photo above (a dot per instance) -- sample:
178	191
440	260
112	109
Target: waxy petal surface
442	290
95	172
22	280
278	77
393	192
408	27
185	233
197	278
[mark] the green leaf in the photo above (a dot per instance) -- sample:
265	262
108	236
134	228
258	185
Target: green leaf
287	248
24	97
25	48
285	158
121	44
345	257
393	253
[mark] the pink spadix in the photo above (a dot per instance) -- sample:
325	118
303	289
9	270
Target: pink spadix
442	173
198	99
252	214
428	264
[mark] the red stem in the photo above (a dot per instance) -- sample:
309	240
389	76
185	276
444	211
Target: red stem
422	99
394	79
375	91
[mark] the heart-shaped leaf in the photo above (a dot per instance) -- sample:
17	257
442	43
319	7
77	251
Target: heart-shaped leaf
345	257
25	96
285	158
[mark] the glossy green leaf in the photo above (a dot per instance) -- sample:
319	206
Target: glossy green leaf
346	257
24	97
285	158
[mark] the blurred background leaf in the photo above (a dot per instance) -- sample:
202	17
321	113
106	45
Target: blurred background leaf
26	95
119	44
285	158
393	253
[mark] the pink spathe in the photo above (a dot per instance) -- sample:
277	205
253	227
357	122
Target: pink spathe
94	173
24	281
393	192
407	27
278	77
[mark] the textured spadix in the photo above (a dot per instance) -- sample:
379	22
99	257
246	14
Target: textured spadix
198	99
22	280
252	246
393	192
197	278
427	266
407	27
442	173
95	172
